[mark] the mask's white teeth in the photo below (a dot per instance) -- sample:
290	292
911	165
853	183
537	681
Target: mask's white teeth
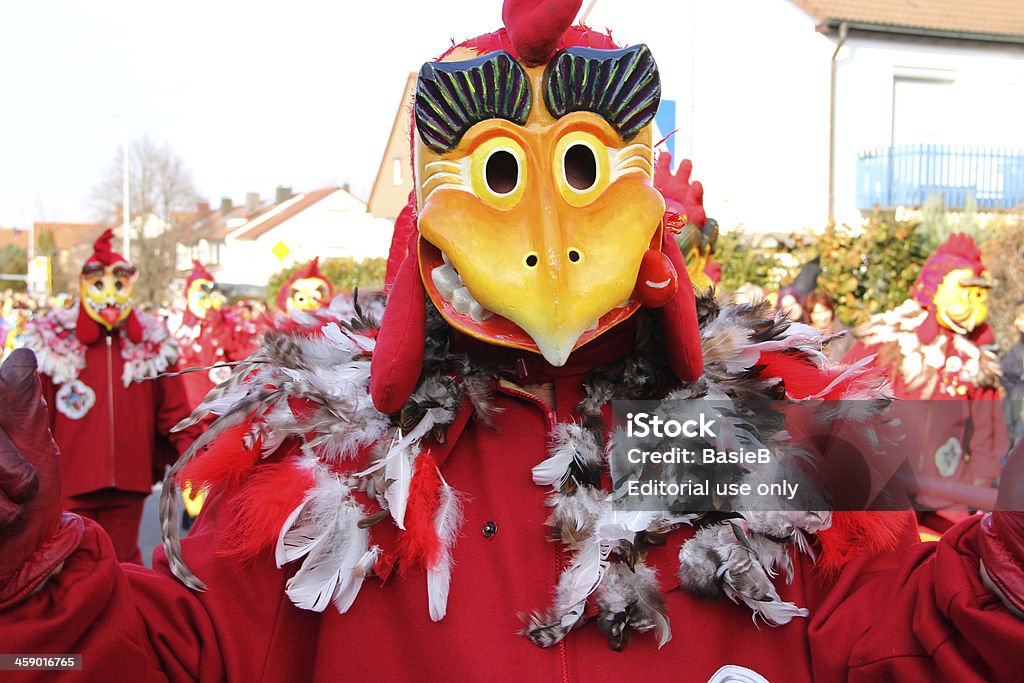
462	300
449	284
446	280
478	312
444	257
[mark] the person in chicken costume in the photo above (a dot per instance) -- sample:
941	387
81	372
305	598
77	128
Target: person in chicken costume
940	356
387	498
210	334
113	426
307	290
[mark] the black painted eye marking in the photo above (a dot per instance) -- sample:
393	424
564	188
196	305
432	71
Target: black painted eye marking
580	167
621	86
453	96
501	172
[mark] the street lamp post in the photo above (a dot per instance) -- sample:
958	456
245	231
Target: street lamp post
126	207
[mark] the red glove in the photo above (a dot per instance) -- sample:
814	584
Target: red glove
1002	553
35	537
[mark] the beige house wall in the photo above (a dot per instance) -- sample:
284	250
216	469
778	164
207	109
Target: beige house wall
394	176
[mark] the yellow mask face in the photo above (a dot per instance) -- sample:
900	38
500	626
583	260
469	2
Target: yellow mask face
107	292
961	301
203	297
534	224
307	294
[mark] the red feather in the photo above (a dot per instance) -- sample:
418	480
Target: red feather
802	377
419	543
269	495
853	533
225	462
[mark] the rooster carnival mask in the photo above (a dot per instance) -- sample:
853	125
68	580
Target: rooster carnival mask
106	284
202	294
539	227
306	290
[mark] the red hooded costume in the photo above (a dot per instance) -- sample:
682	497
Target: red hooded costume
948	379
220	335
113	426
317	494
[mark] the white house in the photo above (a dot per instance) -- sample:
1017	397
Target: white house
749	87
329	223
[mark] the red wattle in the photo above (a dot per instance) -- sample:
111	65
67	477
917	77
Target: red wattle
398	356
657	282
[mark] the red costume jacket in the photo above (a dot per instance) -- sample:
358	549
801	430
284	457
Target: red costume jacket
113	432
222	337
912	612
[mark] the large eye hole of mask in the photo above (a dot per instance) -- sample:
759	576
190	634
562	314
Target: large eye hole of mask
582	168
498	172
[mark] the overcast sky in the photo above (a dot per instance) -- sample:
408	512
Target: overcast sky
249	94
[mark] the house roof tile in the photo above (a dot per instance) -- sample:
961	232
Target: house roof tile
268	220
979	19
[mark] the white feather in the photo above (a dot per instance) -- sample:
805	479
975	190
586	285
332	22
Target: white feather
570	442
398	470
292	542
553	470
347	591
329	569
447	521
775	612
582	577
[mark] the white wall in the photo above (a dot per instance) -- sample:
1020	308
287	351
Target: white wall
751	81
983	108
335	227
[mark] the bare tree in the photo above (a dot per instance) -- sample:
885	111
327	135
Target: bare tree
160	187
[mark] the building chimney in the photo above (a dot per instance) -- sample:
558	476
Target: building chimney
252	201
202	208
226	206
282	194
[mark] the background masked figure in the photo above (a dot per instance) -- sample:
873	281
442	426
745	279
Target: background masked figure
210	333
940	355
113	430
306	290
451	458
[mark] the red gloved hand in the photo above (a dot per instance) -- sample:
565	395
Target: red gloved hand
35	537
1002	553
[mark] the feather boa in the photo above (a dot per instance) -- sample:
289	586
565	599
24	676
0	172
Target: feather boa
61	355
301	405
923	362
302	401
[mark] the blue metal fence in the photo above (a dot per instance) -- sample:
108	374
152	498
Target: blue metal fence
907	175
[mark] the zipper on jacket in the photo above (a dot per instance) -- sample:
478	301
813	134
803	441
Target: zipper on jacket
550	418
563	653
110	403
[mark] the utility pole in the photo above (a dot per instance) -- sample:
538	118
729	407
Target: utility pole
586	12
126	205
31	250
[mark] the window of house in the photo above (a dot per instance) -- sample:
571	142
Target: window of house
926	108
396	171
